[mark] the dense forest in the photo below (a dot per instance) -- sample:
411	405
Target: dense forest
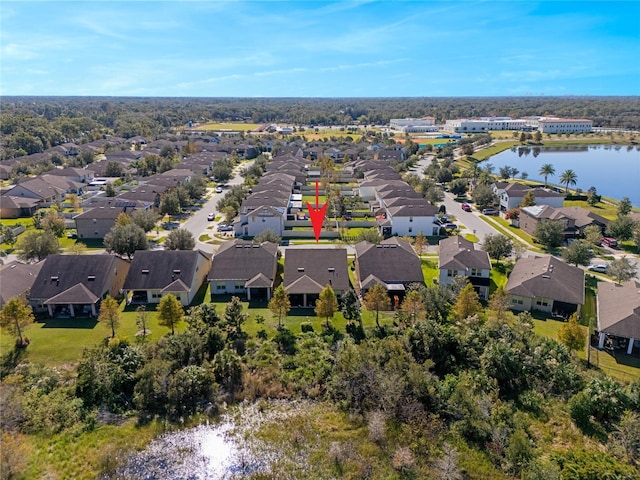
33	124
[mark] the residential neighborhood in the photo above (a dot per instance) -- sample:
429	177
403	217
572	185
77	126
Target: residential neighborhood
207	237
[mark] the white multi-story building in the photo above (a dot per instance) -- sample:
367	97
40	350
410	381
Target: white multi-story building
562	125
484	124
424	124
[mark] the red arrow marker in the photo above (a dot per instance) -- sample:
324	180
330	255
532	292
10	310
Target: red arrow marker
317	215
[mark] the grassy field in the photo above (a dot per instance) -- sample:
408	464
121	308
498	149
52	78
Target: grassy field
228	126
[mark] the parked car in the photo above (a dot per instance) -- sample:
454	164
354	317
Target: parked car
450	226
598	268
466	207
211	216
223	227
609	242
490	211
218	189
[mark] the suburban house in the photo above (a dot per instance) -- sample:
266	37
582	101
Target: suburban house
511	196
307	271
547	284
583	218
16	280
619	313
74	285
530	217
36	188
96	222
459	258
410	218
17	207
241	267
391	263
155	273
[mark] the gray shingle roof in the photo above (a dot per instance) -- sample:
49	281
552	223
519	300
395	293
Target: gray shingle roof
457	253
391	261
547	277
157	269
324	266
619	309
242	261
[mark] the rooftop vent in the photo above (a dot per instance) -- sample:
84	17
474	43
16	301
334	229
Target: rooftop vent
301	269
331	269
54	278
145	271
177	271
91	278
546	276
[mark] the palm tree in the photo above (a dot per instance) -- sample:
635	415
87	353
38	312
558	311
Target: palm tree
546	170
568	177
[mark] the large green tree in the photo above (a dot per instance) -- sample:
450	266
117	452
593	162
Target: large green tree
145	219
622	269
110	314
279	304
37	245
125	240
483	196
578	253
180	239
497	245
170	312
549	233
467	303
377	299
15	316
622	227
327	303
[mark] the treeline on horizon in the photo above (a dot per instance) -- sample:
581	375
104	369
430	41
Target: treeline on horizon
33	124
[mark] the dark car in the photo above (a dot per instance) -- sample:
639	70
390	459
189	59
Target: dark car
490	211
466	207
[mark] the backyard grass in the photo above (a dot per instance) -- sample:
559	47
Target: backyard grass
617	365
429	264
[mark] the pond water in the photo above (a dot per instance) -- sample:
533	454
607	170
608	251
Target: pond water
228	449
613	170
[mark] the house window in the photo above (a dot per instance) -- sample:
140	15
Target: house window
410	229
411	219
475	272
517	301
220	286
542	302
451	273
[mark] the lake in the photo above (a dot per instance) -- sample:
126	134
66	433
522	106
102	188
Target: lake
613	170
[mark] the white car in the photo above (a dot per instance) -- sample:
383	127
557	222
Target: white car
597	268
218	189
211	216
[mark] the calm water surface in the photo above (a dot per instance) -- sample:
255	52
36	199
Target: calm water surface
614	171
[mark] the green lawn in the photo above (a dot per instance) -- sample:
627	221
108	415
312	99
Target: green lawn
429	265
504	227
620	366
228	126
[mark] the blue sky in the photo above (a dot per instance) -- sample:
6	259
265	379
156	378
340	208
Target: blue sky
320	49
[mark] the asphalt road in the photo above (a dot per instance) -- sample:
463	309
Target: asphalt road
197	223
